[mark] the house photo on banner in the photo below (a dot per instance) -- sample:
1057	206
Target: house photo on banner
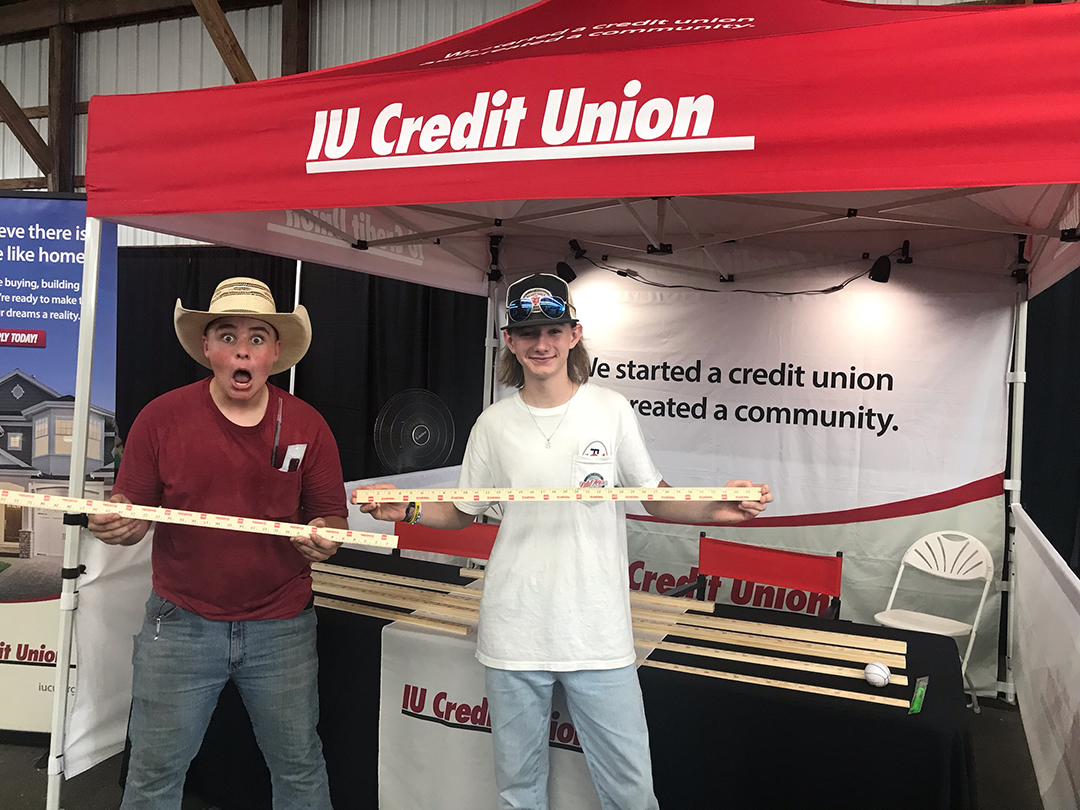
41	258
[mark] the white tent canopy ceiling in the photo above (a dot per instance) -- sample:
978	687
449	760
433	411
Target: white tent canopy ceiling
996	231
713	237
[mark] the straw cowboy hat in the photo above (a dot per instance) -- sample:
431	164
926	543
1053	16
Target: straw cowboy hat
252	299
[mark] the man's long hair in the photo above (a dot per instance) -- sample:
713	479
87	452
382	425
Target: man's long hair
512	375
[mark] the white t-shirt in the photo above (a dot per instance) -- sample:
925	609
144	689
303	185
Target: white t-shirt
556	594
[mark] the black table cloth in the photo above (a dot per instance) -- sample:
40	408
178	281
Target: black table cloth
722	743
715	743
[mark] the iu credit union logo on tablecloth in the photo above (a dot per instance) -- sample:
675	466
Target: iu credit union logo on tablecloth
466	716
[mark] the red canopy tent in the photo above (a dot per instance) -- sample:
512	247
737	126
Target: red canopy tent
608	101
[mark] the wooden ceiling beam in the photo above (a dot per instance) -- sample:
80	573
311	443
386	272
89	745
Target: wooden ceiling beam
37	16
295	36
11	113
33	113
34	183
217	26
32	19
62	108
22	183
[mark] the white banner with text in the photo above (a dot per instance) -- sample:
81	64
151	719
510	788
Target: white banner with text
41	273
877	413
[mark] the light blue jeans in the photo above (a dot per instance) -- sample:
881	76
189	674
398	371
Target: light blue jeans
609	716
182	661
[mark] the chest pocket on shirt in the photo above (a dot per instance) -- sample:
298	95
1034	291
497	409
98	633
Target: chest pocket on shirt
281	494
593	472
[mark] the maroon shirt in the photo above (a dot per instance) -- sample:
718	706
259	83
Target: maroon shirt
182	453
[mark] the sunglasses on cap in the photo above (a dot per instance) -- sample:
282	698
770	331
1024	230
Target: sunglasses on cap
549	306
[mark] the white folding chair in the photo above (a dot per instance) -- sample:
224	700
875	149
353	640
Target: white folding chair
951	555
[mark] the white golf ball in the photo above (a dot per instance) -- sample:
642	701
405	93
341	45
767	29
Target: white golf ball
876	674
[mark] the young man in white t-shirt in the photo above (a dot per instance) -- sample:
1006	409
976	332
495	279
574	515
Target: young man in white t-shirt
556	604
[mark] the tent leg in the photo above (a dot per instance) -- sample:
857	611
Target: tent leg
1013	490
296	303
491	341
76	481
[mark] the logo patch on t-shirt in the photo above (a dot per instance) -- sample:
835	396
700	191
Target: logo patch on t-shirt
594	480
595	450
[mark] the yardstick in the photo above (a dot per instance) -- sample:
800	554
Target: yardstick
560	494
160	514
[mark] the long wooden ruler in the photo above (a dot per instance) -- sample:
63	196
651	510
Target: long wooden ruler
855	673
160	514
786	645
666	604
464	623
453	602
884	700
447	608
666	619
559	494
461	608
455	628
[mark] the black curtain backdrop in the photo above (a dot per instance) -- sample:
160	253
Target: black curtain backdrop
375	338
372	339
1051	453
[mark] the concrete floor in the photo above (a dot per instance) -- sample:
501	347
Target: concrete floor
1005	777
24	782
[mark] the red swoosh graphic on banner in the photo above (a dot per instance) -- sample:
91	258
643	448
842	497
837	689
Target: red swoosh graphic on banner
980	490
49	598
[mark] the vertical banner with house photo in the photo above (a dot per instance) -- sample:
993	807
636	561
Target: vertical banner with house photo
41	267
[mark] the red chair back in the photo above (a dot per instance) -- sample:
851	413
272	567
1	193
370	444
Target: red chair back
473	541
817	573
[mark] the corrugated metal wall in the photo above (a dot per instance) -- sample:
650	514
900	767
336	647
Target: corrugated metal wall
169	55
24	69
345	31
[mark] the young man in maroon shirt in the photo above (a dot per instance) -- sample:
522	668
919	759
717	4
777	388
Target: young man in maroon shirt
227	605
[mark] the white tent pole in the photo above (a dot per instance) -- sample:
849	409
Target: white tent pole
491	342
1018	380
296	303
69	594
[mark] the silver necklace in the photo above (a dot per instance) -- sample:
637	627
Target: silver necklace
548	436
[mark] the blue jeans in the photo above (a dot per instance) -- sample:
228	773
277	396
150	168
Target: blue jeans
609	716
182	661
